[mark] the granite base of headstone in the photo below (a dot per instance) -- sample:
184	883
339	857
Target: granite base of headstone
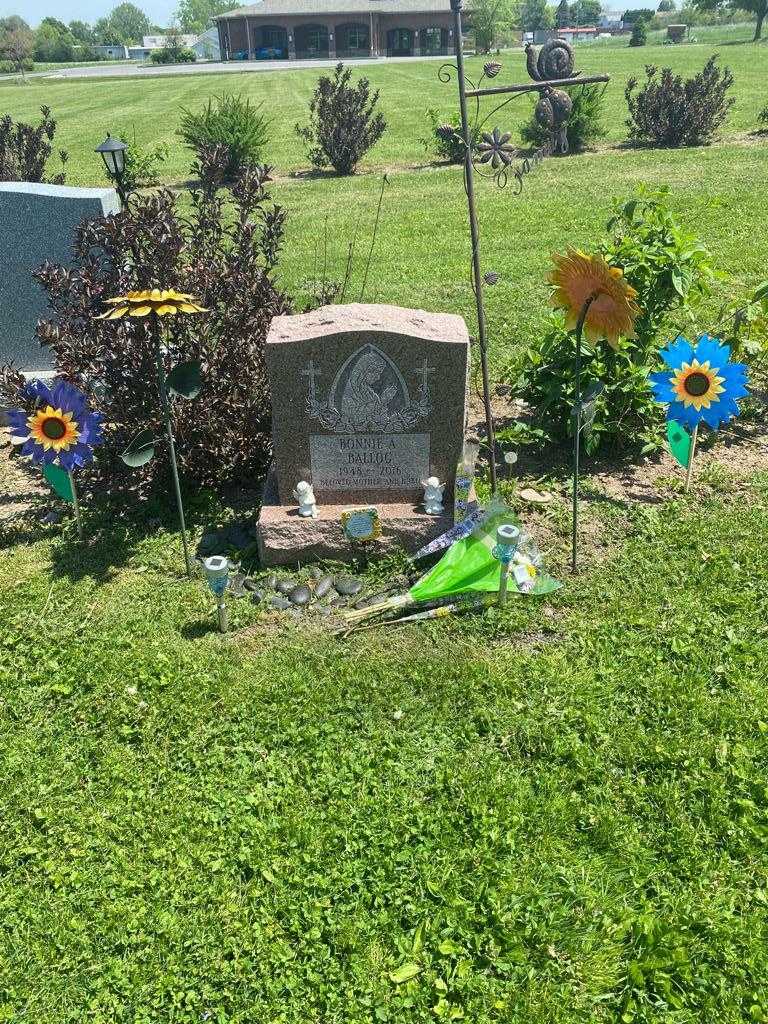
38	224
368	401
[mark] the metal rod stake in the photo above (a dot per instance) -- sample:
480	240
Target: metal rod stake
76	507
221	611
475	235
577	430
165	405
689	471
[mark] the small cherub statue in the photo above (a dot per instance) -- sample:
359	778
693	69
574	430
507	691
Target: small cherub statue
433	496
306	499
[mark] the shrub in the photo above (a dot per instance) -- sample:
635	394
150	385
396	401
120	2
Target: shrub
173	55
670	111
25	149
585	124
343	122
232	122
762	119
142	162
639	35
671	270
638	14
224	248
444	139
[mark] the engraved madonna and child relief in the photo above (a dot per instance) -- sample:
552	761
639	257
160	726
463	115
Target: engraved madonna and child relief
371	415
369	393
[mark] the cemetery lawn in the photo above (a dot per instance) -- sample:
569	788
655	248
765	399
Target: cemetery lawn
557	813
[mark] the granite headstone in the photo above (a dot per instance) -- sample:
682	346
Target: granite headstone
38	224
367	402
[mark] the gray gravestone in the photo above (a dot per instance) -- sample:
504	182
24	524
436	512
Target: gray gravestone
367	402
38	224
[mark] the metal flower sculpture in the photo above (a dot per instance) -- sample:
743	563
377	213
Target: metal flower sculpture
184	380
597	301
495	149
59	435
699	385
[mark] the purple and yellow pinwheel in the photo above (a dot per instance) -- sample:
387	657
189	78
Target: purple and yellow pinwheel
61	430
699	383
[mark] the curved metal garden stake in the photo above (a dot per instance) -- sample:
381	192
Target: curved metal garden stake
165	406
577	427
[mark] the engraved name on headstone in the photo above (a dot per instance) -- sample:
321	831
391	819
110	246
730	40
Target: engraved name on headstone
368	400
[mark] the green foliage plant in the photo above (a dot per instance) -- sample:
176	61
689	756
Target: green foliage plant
585	125
639	35
444	139
343	122
143	163
671	270
230	121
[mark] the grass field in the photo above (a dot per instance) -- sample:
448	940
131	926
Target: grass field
554	814
421	255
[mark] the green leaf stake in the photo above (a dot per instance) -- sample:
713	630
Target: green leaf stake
59	434
184	380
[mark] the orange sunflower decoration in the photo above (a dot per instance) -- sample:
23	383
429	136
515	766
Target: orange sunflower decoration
576	279
158	301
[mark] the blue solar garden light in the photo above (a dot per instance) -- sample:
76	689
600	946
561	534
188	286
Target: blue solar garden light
217	574
507	537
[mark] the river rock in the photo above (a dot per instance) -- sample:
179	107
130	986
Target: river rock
280	603
347	586
257	596
300	595
285	586
323	586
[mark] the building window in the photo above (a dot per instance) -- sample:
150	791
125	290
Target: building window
357	38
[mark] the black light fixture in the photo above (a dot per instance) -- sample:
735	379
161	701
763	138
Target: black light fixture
113	154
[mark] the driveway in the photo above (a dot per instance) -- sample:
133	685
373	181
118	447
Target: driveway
212	67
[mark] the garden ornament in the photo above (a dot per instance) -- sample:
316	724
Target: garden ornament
183	380
507	535
433	496
599	303
699	384
217	574
59	435
305	497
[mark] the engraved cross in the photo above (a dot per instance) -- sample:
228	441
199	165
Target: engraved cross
312	374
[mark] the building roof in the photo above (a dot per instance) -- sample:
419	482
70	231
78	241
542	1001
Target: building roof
319	7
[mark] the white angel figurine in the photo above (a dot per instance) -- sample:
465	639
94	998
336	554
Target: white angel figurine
306	499
433	496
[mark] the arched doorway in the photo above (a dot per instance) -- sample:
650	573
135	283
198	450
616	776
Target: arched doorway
353	40
272	43
311	41
400	42
433	41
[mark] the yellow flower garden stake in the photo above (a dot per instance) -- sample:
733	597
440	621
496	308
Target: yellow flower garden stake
183	380
600	304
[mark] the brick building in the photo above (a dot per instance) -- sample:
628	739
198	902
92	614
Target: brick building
290	29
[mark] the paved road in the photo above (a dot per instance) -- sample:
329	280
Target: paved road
214	67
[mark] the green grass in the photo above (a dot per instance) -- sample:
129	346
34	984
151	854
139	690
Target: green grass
554	819
557	814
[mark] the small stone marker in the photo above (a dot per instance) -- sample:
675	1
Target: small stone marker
368	401
38	224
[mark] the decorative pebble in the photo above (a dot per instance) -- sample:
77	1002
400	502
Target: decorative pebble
323	586
347	586
338	602
300	595
250	584
285	586
271	582
281	603
257	596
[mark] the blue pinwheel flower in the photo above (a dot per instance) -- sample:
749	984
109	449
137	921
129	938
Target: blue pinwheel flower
61	429
700	383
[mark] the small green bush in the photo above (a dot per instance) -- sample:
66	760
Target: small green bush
639	35
173	55
229	121
671	271
585	125
444	139
343	122
762	119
